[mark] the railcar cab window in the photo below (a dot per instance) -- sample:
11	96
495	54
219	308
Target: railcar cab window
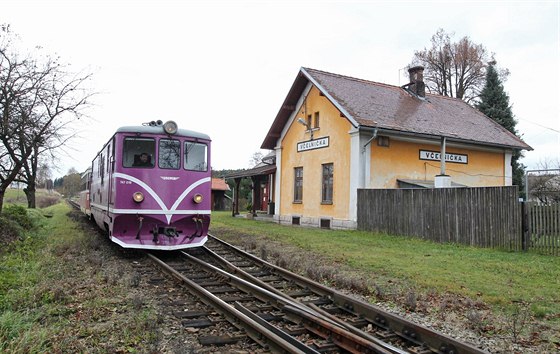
169	154
139	152
196	156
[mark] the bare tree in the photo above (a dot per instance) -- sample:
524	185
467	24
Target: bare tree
54	138
29	175
255	159
454	69
544	183
38	98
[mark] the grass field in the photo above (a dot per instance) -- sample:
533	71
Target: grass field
55	296
14	196
500	279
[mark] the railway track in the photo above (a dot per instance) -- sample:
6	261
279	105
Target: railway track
285	312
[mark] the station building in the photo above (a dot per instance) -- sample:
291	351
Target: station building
336	134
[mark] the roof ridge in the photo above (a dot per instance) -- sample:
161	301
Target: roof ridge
380	84
351	78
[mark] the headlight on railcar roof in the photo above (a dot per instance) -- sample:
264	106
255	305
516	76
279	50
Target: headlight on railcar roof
197	198
170	127
138	197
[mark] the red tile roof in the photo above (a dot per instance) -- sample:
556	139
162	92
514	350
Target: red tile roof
219	184
395	110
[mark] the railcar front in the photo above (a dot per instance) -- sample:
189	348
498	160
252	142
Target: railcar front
157	188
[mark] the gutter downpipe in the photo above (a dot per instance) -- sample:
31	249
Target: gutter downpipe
370	140
365	158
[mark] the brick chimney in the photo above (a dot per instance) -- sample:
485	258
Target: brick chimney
417	85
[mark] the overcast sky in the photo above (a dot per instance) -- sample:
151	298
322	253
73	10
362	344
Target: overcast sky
225	67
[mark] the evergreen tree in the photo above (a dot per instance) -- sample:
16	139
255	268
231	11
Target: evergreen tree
494	102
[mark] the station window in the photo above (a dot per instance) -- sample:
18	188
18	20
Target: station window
169	154
298	184
138	152
316	121
327	184
196	156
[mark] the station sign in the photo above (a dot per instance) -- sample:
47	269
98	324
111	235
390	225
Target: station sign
313	144
436	156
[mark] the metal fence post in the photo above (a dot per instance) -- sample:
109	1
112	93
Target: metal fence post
524	226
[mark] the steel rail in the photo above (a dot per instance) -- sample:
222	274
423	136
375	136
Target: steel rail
339	335
414	333
270	327
318	311
313	321
254	330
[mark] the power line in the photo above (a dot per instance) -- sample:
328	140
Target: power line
540	125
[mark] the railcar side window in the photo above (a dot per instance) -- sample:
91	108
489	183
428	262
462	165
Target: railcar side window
139	152
169	154
196	156
101	167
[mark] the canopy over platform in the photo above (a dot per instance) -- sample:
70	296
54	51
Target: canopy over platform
261	197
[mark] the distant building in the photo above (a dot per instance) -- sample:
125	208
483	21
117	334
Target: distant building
220	201
335	134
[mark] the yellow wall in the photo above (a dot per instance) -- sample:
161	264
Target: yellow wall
338	152
401	160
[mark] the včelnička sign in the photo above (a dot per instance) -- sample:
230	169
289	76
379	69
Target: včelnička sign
313	144
436	156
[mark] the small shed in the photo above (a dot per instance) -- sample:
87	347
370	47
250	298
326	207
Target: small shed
220	201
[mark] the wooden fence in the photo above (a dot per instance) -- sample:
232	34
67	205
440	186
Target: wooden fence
483	217
544	228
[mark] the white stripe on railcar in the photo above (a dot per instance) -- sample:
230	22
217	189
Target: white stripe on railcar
165	211
156	247
151	211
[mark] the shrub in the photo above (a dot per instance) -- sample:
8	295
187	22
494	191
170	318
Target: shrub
9	230
18	214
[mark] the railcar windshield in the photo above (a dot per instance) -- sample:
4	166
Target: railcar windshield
139	152
196	157
169	154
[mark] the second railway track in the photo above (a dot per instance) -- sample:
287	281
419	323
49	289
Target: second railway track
285	312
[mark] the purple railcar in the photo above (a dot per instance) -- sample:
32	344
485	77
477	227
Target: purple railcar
150	187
